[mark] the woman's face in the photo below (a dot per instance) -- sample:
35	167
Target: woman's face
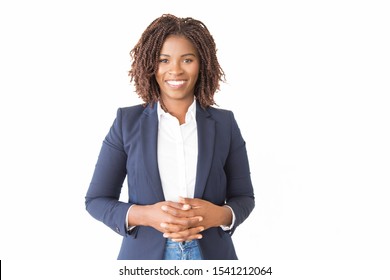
178	69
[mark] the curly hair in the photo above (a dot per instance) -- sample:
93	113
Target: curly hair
145	58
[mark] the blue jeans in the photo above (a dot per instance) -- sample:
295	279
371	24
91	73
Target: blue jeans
188	250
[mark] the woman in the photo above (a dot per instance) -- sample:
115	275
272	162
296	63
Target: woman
186	163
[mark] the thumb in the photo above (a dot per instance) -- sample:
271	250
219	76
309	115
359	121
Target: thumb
192	202
186	205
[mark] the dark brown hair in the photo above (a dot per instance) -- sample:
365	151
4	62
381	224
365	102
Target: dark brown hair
145	58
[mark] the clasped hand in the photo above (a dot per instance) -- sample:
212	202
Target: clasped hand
186	219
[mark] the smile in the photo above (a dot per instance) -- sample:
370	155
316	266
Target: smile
175	83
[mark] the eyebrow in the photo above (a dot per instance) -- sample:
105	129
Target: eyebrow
187	54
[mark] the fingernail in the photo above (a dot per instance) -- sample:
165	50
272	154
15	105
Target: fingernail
186	207
202	229
164	225
200	219
200	236
166	235
164	208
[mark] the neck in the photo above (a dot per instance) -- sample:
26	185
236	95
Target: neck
177	108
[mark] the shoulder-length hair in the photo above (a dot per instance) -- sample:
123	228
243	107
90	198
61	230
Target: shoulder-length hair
145	58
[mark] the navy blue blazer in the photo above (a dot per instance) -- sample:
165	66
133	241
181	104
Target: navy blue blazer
130	149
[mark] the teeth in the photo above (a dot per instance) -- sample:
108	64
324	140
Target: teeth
175	83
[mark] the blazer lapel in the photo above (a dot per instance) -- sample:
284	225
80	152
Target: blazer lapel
149	134
206	137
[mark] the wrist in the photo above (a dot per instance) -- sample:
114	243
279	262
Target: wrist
137	216
226	216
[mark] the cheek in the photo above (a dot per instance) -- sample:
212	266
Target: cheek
195	71
196	75
159	75
161	69
159	80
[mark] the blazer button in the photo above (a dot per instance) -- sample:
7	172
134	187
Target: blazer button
117	230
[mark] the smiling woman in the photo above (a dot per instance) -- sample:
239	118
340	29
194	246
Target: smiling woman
177	74
186	162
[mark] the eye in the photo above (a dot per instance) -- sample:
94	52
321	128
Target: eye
188	60
163	60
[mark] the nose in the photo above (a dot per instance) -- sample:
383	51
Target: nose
175	69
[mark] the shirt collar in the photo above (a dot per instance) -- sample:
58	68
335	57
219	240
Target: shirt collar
191	112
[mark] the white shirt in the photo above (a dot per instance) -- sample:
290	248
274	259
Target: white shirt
177	153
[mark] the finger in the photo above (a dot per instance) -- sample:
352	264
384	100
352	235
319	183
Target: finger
186	207
186	238
188	234
171	210
192	202
178	225
177	205
180	213
195	237
168	228
192	222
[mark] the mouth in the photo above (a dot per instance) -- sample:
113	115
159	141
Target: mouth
175	83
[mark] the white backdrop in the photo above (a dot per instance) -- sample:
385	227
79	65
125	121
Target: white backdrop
308	82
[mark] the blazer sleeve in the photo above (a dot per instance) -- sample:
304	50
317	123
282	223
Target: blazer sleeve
102	198
240	195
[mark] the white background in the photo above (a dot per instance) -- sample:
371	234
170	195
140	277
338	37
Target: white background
308	82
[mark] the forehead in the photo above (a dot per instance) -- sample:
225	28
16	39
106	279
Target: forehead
177	44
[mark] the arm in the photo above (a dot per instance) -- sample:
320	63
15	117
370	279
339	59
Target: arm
102	198
240	194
